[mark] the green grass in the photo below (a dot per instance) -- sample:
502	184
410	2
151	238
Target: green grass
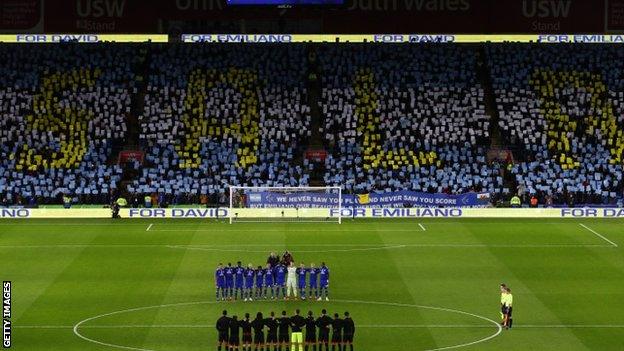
568	283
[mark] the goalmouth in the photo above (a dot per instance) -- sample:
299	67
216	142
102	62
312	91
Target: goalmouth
285	204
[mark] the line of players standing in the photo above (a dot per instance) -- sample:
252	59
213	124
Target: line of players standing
278	332
233	283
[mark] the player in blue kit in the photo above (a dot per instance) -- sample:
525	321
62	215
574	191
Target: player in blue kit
269	282
280	280
301	280
250	274
220	281
313	281
259	282
239	280
229	281
324	282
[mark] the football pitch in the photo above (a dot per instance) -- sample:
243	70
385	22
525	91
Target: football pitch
409	284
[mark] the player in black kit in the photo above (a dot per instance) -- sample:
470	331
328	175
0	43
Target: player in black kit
245	324
323	322
258	327
283	334
310	335
272	324
223	325
234	333
348	332
337	324
297	323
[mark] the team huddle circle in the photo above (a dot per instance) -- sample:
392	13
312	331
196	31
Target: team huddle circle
192	325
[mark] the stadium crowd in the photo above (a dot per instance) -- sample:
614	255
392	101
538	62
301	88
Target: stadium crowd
562	108
223	115
391	118
62	110
405	119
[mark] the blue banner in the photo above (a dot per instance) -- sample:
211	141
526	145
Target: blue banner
388	199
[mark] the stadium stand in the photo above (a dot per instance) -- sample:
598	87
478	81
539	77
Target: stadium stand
405	118
391	117
62	109
223	115
561	107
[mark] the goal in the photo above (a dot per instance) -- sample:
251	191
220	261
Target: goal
290	204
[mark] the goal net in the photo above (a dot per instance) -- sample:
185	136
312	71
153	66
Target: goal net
272	204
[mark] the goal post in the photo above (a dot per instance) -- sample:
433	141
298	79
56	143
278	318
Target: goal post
285	204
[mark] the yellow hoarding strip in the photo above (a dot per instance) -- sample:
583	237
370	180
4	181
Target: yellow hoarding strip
318	38
82	38
402	38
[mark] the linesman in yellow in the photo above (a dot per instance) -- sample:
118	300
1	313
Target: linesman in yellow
507	308
297	322
503	291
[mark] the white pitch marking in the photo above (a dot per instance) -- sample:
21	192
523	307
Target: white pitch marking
214	222
187	247
422	227
598	234
149	227
309	230
227	248
527	326
79	325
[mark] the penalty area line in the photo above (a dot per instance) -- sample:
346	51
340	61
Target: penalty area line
598	234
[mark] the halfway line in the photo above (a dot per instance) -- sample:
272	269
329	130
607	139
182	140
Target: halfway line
398	326
357	247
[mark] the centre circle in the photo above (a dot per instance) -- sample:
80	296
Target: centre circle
84	323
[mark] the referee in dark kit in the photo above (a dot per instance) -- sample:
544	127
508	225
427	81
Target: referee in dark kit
223	325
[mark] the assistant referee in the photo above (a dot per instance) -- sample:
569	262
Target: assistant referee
508	309
503	291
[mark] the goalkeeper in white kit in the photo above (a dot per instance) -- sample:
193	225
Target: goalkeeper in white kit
291	281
